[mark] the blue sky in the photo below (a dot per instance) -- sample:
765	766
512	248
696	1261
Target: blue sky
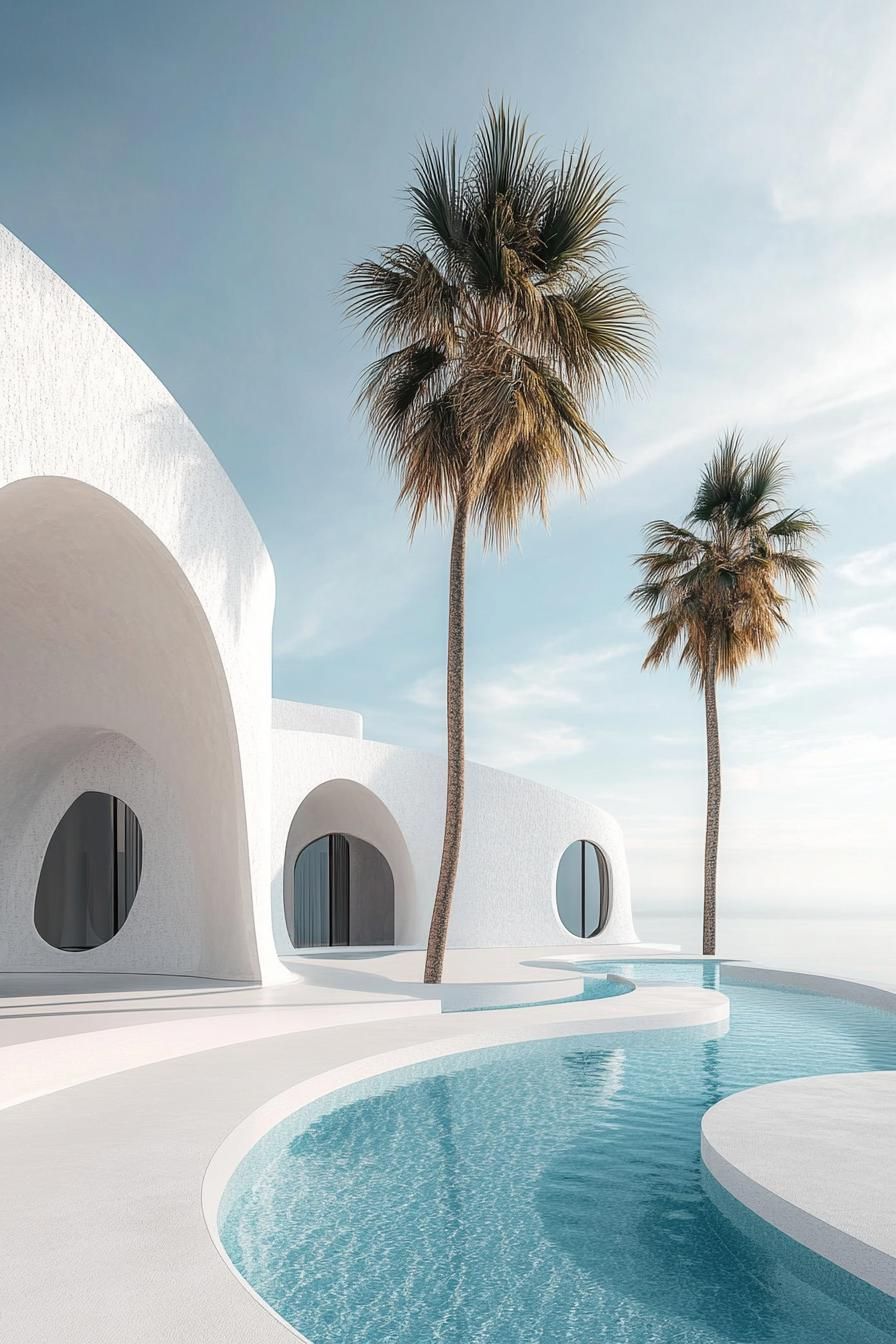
203	174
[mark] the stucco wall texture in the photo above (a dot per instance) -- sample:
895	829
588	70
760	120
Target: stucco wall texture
136	608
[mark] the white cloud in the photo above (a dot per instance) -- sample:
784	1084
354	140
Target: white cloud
518	715
847	635
873	641
830	162
526	744
348	580
875	568
801	767
843	646
554	678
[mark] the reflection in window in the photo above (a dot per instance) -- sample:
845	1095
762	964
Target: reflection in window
583	889
343	895
90	874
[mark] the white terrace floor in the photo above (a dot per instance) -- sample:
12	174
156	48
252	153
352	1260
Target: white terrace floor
121	1021
117	1092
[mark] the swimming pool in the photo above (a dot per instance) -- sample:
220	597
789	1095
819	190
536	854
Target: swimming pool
552	1192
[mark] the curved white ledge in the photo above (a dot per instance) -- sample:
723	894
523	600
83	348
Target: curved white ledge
854	991
455	997
813	1157
170	1119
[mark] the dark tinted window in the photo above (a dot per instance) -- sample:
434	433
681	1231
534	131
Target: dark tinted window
343	895
583	889
90	874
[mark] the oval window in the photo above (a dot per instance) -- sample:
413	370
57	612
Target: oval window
583	889
90	874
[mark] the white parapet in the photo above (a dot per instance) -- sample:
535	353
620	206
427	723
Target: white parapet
293	716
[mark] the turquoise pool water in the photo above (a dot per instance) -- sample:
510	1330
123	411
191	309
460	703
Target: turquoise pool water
552	1193
598	986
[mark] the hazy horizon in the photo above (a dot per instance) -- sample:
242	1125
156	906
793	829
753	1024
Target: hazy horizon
203	175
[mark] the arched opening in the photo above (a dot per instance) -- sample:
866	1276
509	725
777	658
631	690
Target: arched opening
90	874
343	895
583	889
348	879
111	682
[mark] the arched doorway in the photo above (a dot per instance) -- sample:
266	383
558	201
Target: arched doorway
347	879
343	895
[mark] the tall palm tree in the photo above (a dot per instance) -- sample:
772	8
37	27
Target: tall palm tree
716	590
496	324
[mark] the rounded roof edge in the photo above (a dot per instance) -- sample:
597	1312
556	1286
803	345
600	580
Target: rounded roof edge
294	716
23	270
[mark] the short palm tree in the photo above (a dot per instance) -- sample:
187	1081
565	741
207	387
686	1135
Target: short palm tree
496	324
717	592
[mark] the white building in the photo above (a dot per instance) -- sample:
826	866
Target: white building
135	668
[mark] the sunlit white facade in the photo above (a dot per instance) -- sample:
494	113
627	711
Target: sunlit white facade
135	662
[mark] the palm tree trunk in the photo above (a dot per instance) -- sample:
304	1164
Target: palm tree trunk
454	802
713	805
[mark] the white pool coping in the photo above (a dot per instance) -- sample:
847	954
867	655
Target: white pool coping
654	1009
814	1157
115	1165
137	1127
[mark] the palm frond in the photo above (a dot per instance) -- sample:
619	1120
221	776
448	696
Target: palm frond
661	533
575	228
535	436
794	529
505	165
798	571
764	482
722	482
597	330
497	327
437	199
722	583
668	631
401	297
430	462
392	389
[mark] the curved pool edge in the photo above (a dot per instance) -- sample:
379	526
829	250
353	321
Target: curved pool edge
657	1008
58	1141
869	993
243	1138
738	1133
461	996
809	1157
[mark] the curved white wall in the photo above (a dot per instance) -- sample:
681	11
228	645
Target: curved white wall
135	658
514	834
137	599
165	930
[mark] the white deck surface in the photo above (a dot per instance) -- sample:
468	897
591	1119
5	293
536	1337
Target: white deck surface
117	1092
814	1157
101	1222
